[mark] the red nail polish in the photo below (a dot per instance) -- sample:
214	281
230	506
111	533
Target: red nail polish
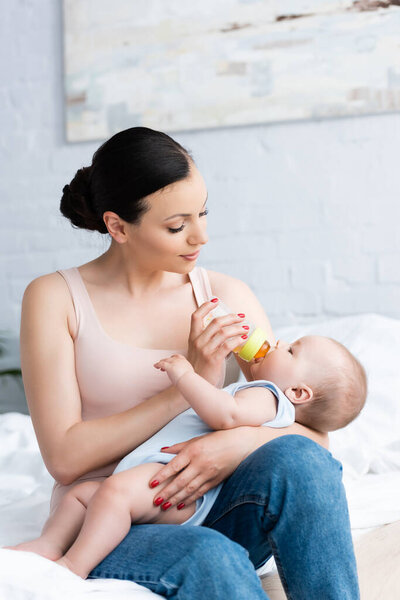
242	315
246	327
154	483
214	300
244	337
164	447
166	506
180	506
158	501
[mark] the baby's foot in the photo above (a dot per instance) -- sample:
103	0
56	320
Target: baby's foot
64	562
39	546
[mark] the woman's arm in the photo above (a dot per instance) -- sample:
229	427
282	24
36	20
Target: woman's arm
204	462
241	299
71	447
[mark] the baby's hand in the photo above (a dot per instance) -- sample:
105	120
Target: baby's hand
175	366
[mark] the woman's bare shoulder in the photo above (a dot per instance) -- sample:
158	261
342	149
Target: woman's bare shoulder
221	284
51	283
50	292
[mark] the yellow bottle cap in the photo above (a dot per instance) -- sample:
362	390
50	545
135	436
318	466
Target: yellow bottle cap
253	344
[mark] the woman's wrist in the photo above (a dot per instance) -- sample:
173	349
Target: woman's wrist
250	438
246	439
242	441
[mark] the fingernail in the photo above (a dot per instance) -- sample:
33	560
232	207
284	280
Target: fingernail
154	483
244	337
158	501
214	300
180	506
164	447
241	315
245	327
166	506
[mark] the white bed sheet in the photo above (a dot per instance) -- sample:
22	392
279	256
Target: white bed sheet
371	470
25	488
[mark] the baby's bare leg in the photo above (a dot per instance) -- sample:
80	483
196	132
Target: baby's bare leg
121	499
63	525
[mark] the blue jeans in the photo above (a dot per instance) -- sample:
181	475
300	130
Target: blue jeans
285	499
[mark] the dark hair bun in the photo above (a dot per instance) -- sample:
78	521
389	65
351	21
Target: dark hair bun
130	166
76	203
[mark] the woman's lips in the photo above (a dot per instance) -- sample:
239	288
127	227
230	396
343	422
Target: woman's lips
191	256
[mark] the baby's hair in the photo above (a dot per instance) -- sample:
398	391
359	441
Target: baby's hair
339	397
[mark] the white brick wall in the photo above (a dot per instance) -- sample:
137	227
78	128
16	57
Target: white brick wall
306	213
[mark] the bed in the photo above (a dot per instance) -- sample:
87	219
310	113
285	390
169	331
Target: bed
369	449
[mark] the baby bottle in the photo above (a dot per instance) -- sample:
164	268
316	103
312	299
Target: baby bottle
256	345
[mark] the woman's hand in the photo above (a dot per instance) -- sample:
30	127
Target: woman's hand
208	347
202	463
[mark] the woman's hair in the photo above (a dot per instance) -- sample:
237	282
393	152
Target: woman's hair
125	169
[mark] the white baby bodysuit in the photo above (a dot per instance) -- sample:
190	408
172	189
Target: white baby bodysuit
188	425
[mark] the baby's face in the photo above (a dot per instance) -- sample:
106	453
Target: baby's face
289	365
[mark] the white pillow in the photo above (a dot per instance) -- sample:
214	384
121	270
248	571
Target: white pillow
371	443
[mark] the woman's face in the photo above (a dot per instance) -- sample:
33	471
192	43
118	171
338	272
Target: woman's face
174	226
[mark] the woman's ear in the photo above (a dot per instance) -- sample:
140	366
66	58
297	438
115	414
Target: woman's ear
115	226
299	395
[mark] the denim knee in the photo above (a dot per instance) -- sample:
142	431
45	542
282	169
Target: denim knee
298	466
297	454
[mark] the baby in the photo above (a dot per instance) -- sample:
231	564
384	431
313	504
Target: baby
315	381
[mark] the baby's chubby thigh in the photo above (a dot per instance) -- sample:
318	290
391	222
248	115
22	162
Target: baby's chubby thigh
133	486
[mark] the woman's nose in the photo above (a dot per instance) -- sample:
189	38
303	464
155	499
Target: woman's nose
199	236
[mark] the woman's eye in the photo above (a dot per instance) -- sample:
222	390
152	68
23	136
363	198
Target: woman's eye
202	214
175	230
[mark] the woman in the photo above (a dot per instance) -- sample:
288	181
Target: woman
89	339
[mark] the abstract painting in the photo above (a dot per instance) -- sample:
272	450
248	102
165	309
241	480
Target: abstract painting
175	65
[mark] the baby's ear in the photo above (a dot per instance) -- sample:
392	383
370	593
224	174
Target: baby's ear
299	395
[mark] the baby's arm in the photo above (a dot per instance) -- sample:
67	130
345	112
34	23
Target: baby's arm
220	410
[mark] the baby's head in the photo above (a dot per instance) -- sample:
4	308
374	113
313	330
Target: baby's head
324	381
